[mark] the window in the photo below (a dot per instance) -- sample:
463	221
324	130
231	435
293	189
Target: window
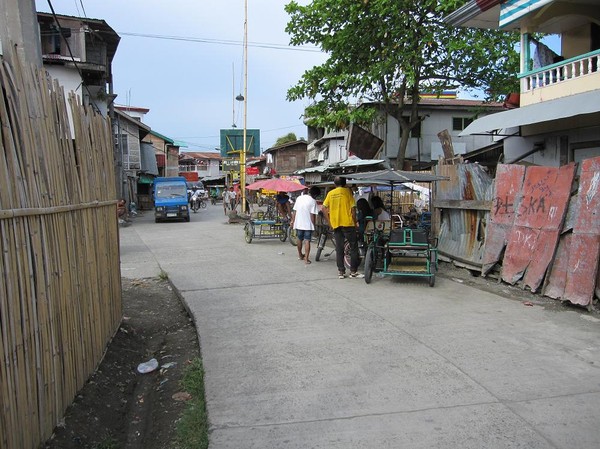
121	143
460	123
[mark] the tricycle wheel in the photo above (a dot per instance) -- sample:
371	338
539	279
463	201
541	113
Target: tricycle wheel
249	232
293	236
347	257
369	265
433	266
432	280
284	233
320	245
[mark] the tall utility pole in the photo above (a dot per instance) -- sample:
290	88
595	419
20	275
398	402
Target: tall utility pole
244	149
19	27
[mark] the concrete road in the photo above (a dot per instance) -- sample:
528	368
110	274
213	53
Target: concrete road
296	358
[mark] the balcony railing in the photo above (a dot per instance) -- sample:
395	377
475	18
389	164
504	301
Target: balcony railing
561	72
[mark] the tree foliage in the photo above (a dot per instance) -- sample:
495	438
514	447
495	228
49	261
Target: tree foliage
290	137
387	52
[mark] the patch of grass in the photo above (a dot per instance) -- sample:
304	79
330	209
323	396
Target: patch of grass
192	428
163	276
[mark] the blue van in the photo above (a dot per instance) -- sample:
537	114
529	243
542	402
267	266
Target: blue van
171	199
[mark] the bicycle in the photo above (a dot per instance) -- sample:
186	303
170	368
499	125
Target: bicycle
327	233
271	212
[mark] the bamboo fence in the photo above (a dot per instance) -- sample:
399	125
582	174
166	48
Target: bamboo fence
60	285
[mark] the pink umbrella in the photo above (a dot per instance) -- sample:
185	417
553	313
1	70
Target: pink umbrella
276	184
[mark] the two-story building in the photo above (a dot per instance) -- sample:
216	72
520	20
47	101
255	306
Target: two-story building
79	52
379	145
558	120
166	151
438	114
206	165
287	158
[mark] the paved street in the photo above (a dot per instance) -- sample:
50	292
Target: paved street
296	358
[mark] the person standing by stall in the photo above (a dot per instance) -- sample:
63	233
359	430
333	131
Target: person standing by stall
232	199
304	214
339	210
225	200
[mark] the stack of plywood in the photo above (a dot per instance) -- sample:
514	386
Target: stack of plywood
530	235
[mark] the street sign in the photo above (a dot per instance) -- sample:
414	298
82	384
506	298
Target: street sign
232	142
231	165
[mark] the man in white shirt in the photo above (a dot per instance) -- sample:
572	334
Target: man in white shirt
304	214
232	199
225	200
196	198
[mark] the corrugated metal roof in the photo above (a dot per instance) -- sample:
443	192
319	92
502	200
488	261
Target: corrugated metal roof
199	155
462	231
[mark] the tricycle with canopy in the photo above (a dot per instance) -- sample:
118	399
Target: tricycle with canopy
259	225
394	249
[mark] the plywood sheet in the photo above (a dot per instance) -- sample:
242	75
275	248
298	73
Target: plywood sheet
546	193
541	258
539	217
508	183
582	269
557	277
588	213
522	242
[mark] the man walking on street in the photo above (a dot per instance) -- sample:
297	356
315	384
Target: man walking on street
339	210
304	215
232	199
225	200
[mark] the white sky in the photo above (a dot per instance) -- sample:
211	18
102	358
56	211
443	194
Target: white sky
189	86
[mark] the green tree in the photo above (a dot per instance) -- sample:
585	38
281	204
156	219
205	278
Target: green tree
290	137
386	52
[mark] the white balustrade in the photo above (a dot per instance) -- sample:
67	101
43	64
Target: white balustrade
561	72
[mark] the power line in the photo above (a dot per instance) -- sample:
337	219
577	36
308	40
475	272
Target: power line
222	42
77	7
213	41
203	40
61	31
213	137
82	8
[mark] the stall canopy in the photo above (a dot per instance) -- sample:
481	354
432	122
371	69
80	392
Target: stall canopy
392	176
358	182
276	184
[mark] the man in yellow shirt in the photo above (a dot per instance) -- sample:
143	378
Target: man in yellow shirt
339	210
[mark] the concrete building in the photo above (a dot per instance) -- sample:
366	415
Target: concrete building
439	114
79	52
558	120
381	142
205	164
